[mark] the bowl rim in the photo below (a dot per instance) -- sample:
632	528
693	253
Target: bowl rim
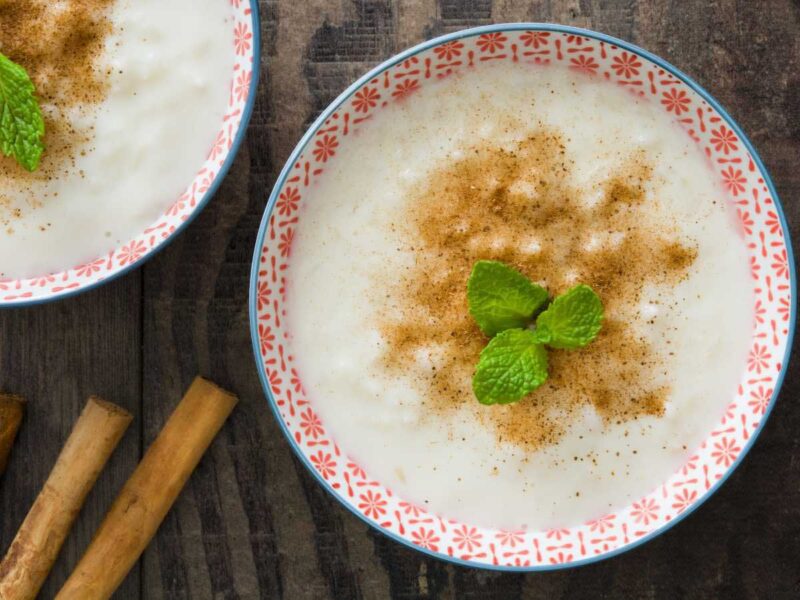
379	69
201	204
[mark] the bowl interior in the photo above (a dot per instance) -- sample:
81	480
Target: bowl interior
748	189
242	88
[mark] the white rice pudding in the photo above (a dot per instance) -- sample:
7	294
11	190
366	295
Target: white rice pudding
167	68
614	194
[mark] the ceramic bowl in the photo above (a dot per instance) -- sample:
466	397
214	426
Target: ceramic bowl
243	82
748	188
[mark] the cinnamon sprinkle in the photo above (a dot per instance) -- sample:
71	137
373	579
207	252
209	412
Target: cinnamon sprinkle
519	206
59	44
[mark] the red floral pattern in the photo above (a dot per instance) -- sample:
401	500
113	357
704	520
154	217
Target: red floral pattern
405	87
131	253
724	140
734	180
676	100
768	261
324	463
288	201
325	147
759	399
725	451
365	99
510	538
426	538
645	511
626	65
449	50
758	359
535	39
467	538
492	42
311	424
684	499
372	504
242	37
586	64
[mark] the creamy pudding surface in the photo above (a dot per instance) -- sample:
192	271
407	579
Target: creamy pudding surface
133	93
568	179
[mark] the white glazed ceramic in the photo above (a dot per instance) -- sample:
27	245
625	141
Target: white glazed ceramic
748	187
242	85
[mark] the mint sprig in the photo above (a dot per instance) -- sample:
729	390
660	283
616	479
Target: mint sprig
21	121
503	302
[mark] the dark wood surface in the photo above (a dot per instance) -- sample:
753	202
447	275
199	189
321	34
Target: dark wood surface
252	523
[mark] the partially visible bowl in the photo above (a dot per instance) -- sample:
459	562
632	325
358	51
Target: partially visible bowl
749	189
242	86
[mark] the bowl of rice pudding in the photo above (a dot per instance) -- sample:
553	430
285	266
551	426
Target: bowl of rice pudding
574	159
145	105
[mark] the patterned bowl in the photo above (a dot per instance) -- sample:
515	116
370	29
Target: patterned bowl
749	189
243	84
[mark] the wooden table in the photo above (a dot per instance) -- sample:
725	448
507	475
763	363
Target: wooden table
252	523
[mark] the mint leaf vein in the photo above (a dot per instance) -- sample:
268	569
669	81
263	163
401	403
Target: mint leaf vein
572	320
21	121
511	366
501	298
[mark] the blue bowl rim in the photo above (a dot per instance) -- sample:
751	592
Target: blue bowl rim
376	71
210	192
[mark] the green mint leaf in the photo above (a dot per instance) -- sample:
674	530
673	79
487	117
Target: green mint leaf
511	366
21	122
501	298
572	320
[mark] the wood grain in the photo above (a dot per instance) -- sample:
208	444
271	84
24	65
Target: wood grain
34	550
56	356
251	522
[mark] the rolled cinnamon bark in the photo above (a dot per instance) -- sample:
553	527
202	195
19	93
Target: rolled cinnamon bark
33	551
150	492
11	409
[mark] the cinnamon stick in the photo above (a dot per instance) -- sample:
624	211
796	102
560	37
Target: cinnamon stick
32	553
11	409
150	492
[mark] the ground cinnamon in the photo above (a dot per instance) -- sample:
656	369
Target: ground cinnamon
519	206
59	44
